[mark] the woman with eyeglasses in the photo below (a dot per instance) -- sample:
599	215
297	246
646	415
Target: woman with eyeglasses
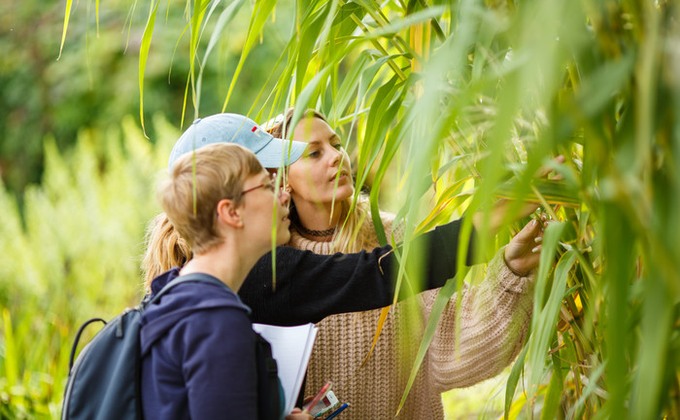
199	352
310	287
352	282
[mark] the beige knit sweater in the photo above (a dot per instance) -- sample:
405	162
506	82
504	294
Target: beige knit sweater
494	319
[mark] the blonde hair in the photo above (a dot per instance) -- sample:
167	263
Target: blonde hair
346	239
198	181
165	249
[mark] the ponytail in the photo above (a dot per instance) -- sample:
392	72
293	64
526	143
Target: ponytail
165	249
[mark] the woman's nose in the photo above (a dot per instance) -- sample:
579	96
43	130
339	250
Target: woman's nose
336	157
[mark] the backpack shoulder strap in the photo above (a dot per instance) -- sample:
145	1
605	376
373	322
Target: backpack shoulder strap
193	277
151	332
74	347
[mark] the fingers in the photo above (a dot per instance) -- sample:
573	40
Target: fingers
529	231
538	240
523	253
532	232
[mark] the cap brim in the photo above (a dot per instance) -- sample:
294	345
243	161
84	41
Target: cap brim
280	153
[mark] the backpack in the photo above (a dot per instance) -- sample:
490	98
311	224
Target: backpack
105	380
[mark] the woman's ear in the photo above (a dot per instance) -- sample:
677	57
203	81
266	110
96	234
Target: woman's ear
229	213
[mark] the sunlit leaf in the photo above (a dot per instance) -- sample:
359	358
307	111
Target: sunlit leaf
144	55
67	18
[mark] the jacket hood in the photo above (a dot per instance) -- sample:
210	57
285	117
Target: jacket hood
183	299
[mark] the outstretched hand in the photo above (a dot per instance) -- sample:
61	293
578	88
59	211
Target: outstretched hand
523	252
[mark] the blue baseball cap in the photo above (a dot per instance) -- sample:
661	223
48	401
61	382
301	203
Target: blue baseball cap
238	129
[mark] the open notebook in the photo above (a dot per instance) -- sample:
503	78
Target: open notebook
291	347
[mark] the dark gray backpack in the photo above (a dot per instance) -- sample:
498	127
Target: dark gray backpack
105	380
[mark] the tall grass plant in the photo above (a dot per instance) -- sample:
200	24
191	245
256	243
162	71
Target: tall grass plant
447	106
71	255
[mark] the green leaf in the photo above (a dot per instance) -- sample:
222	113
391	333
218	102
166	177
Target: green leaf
545	316
587	391
555	387
224	19
398	25
602	85
258	20
553	192
656	331
442	300
513	380
11	364
144	55
67	17
309	32
617	277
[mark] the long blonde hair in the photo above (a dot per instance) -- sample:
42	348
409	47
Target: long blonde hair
348	238
165	249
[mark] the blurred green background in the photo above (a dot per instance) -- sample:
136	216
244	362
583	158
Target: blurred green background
78	174
467	93
94	84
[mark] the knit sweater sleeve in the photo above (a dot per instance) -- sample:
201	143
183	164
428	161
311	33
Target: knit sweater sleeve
494	324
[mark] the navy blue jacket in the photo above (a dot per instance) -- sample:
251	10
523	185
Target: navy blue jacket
198	354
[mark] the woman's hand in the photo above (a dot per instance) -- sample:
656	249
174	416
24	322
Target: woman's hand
298	414
524	250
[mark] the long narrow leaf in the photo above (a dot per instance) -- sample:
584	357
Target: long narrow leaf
554	393
258	20
144	55
410	20
657	325
513	380
11	365
442	300
224	19
545	314
67	17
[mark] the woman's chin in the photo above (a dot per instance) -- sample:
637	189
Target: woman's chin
344	192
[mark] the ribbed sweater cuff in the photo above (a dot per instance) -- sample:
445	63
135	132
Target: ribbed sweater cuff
509	281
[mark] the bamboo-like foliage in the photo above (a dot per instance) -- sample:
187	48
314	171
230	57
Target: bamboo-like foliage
448	106
70	254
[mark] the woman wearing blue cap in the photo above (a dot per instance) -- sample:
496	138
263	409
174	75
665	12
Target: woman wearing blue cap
199	357
352	282
309	287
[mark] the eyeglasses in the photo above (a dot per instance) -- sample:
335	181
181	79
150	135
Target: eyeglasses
271	185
